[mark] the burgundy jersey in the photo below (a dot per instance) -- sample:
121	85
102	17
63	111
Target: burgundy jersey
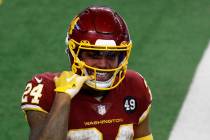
113	117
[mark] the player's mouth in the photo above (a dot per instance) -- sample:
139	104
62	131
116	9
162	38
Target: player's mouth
101	76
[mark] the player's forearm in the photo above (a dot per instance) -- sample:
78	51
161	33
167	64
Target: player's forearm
56	126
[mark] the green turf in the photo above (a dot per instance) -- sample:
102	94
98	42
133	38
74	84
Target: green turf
169	38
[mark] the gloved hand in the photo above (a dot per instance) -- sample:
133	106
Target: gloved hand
69	83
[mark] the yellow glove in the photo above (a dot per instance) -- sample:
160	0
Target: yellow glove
69	83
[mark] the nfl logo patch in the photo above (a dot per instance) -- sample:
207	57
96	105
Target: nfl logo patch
101	109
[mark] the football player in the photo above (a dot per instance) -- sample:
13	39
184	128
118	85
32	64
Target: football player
98	98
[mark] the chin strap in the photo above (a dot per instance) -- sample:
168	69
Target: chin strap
148	137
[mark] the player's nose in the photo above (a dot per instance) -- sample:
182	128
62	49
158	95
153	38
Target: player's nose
103	63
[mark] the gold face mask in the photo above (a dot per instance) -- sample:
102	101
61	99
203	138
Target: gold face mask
116	75
103	30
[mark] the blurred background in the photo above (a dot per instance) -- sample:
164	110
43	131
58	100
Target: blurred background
169	38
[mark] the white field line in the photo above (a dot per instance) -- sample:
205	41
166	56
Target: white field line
193	122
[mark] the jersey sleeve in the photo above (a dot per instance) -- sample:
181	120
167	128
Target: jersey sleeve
39	93
146	98
139	88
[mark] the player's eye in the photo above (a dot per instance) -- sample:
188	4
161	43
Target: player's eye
99	54
111	55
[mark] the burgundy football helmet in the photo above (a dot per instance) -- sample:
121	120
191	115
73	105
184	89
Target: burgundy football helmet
99	29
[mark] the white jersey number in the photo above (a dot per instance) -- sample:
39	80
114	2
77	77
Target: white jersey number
125	132
35	92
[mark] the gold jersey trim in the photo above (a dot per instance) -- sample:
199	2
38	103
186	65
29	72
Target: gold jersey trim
145	114
27	107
